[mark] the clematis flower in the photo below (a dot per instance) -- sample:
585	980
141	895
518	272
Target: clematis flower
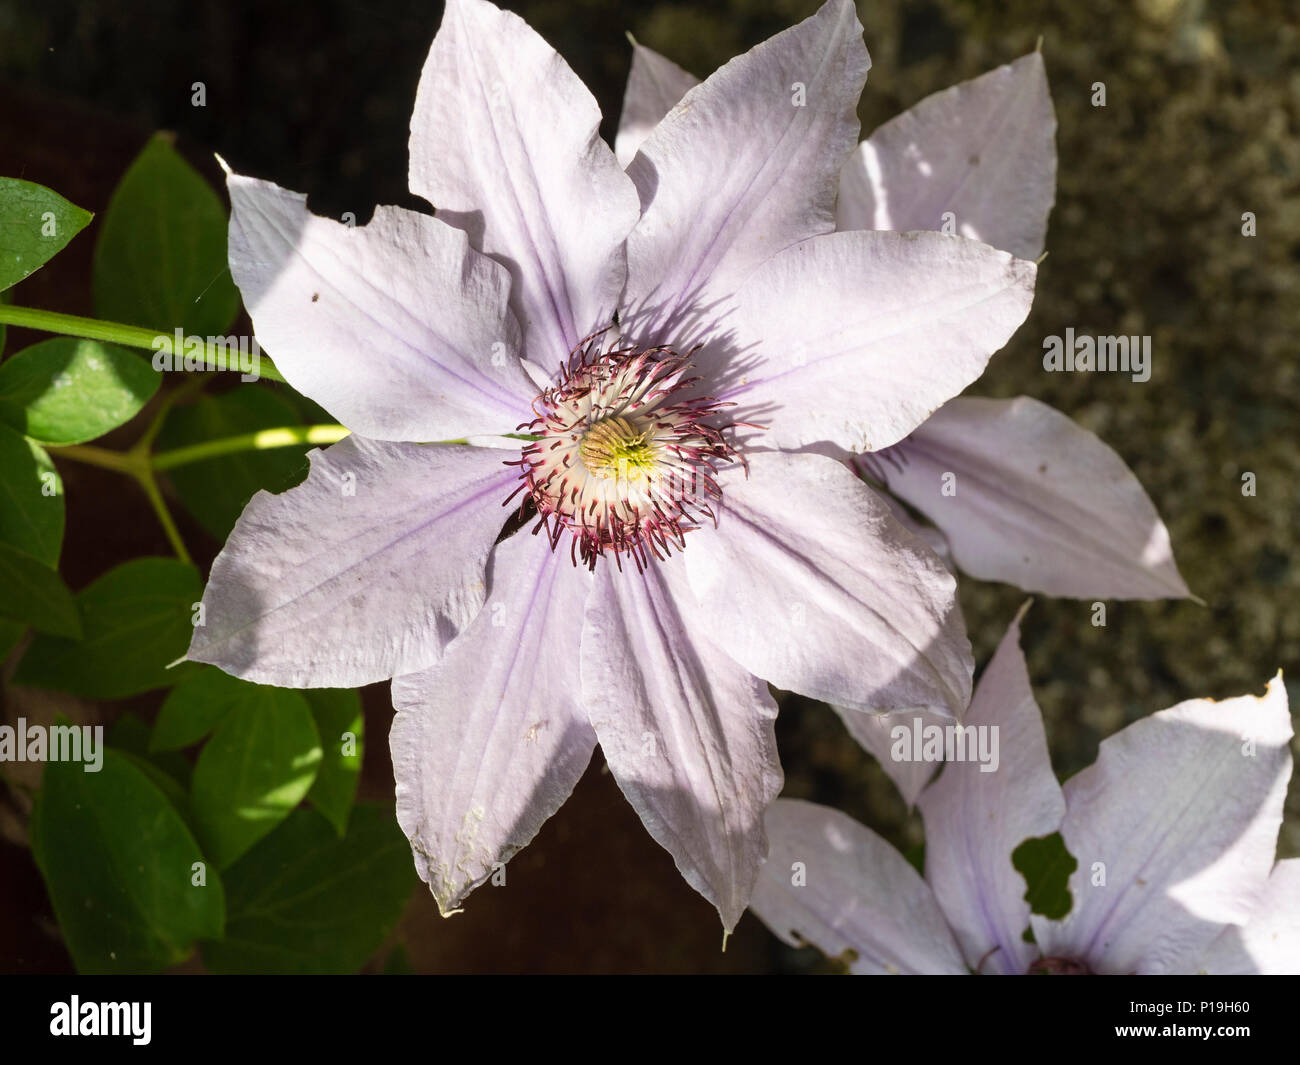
1039	502
1174	829
666	341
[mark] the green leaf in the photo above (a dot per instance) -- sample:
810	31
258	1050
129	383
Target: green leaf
119	864
1046	866
4	298
305	901
161	257
216	490
337	712
136	620
31	498
35	593
162	780
67	391
35	225
195	707
308	410
131	735
258	765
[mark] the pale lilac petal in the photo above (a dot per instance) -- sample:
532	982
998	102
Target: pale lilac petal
1026	496
975	816
504	143
741	170
856	338
365	570
984	150
687	733
874	732
489	742
654	87
923	530
859	900
1182	819
1269	943
810	583
398	328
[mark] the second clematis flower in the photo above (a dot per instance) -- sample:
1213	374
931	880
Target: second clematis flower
1173	830
667	342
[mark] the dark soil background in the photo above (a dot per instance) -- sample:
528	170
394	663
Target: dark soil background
1202	123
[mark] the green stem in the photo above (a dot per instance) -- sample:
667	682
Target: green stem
121	461
144	446
136	465
150	486
261	440
135	462
131	336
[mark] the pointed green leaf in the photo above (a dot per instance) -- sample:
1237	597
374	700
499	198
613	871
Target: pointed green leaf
36	594
130	735
162	780
66	391
31	498
258	765
195	707
135	620
120	866
305	901
161	257
337	712
35	225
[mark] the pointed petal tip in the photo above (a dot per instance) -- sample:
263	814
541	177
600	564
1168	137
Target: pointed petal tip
1024	609
730	914
1175	587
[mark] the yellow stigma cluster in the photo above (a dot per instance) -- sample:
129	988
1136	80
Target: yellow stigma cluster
614	450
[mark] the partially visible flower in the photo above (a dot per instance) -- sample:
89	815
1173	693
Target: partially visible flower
1174	829
1039	502
669	340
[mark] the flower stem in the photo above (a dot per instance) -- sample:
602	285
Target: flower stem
140	465
121	461
131	336
147	481
261	440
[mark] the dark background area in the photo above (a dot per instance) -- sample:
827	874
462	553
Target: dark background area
1202	123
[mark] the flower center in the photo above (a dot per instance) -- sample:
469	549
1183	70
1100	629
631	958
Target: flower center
624	460
613	448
